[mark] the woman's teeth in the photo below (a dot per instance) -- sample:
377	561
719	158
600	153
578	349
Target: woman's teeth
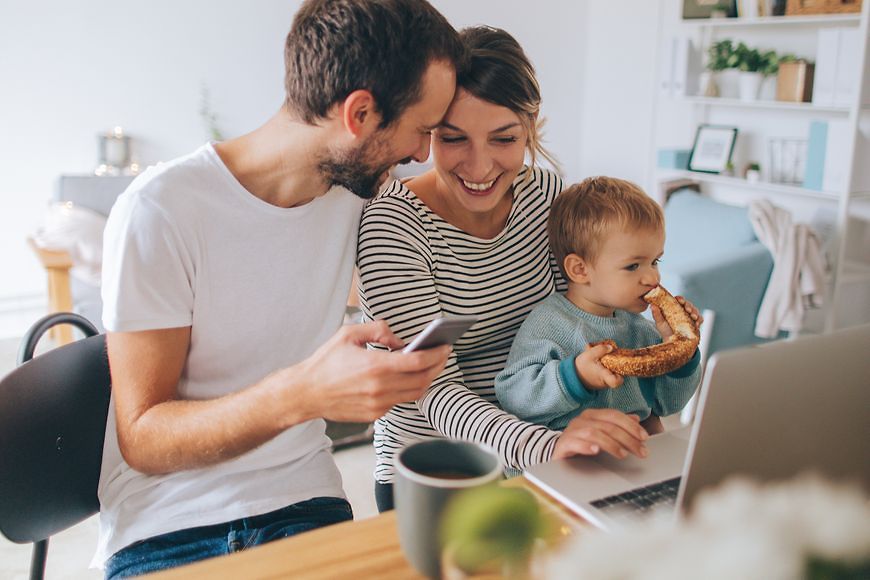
478	186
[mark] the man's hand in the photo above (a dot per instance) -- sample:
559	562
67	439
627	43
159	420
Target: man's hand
592	373
346	382
595	430
662	325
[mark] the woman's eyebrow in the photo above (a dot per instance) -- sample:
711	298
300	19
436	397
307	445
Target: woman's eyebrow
447	125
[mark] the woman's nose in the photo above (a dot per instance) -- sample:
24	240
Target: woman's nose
478	164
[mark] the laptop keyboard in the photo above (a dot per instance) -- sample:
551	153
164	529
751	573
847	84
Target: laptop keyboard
638	502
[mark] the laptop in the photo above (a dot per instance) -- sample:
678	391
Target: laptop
768	412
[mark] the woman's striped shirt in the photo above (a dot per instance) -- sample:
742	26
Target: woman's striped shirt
415	267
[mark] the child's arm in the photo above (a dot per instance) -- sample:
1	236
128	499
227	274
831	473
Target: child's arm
530	386
540	382
669	393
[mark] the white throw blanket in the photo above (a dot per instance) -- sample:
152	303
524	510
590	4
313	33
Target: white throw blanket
78	231
799	266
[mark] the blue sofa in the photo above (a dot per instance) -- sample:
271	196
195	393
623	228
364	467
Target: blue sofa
713	258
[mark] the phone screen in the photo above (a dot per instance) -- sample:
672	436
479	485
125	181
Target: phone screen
441	331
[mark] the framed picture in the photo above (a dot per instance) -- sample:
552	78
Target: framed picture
712	149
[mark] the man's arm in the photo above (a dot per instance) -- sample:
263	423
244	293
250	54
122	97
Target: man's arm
160	433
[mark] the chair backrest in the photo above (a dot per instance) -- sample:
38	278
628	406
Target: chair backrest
53	413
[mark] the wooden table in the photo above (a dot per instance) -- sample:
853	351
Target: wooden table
57	264
357	550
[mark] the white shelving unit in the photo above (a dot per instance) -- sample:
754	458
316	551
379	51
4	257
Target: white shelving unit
771	105
815	20
846	210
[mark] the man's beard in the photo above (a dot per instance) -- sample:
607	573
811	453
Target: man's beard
354	168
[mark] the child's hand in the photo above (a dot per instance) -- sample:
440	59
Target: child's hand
662	325
591	372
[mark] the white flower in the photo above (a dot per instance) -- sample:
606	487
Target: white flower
739	530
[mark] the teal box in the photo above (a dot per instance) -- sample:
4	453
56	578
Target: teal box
673	158
817	146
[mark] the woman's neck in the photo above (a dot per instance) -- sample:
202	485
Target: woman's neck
431	191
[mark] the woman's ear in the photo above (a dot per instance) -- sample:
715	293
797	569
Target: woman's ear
359	114
577	269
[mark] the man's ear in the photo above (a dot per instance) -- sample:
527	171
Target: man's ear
577	268
359	113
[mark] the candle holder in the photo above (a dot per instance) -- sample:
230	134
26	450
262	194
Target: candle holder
114	151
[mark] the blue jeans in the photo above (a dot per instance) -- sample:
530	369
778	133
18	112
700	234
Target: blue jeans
194	544
384	496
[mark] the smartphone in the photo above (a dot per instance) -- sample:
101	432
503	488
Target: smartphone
441	331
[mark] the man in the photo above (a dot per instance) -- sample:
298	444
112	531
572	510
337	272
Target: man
225	273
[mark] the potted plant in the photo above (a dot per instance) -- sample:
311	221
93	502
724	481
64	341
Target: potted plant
493	532
769	69
752	172
722	10
749	64
722	63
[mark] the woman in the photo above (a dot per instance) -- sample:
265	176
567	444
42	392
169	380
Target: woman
470	238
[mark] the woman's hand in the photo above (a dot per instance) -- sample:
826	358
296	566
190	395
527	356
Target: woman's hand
662	325
609	430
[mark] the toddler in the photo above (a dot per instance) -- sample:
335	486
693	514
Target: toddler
607	236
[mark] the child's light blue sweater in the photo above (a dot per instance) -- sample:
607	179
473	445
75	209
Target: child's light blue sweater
540	383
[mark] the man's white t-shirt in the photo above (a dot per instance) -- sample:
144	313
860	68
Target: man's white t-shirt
261	288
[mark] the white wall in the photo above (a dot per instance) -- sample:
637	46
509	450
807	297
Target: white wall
552	33
70	70
617	91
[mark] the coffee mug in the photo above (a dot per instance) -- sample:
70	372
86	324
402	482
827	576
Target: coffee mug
428	473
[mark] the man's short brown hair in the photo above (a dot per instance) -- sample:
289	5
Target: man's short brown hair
584	213
336	47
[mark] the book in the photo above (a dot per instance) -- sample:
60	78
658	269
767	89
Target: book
826	163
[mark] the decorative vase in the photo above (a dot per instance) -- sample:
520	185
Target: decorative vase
729	83
768	88
750	84
707	84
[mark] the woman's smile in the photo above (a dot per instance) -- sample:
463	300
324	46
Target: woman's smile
478	187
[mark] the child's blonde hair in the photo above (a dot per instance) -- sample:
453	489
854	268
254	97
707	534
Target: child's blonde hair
584	213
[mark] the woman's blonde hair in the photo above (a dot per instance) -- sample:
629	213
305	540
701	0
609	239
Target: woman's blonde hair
584	213
499	72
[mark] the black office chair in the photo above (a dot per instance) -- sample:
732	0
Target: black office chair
53	412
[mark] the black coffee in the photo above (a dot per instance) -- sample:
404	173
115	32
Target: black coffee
448	474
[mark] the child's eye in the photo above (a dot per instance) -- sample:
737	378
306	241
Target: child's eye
657	261
632	267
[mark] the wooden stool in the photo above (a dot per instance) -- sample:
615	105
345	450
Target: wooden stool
57	264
